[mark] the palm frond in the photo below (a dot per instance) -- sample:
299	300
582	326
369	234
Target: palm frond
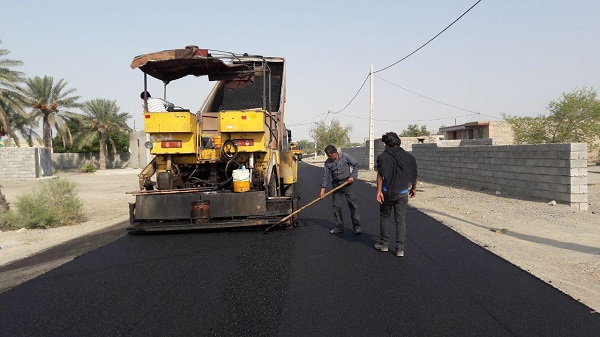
13	118
50	101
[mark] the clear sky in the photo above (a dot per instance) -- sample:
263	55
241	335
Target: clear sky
504	56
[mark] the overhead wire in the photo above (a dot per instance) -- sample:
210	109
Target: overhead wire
407	56
306	121
492	116
429	98
411	120
352	100
438	101
433	38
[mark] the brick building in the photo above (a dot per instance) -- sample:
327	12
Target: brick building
500	131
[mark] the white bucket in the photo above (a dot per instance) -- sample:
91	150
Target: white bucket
241	180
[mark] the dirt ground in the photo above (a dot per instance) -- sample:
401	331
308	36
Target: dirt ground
105	202
557	244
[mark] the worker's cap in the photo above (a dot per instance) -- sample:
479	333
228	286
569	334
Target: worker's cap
144	94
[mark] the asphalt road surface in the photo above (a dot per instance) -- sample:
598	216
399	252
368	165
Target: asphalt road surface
301	282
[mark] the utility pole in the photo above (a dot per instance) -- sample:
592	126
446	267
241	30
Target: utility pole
317	125
371	140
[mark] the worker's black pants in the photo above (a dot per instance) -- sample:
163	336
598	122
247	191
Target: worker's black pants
346	193
398	203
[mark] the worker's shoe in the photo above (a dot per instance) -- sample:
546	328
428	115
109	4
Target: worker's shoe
399	252
381	247
357	230
336	230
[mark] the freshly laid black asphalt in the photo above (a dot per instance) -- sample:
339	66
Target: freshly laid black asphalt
301	282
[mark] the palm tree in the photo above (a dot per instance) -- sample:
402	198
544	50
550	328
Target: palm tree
11	103
13	117
49	101
18	126
101	116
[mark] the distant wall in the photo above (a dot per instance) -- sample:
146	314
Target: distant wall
29	163
548	171
466	142
362	153
407	142
74	161
24	163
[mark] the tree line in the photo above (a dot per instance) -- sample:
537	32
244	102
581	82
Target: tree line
338	135
25	102
574	117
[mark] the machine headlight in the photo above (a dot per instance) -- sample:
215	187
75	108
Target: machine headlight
148	145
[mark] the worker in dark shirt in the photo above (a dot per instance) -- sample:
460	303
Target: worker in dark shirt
337	167
396	182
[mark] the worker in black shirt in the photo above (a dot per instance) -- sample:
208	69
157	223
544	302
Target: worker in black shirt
337	167
396	182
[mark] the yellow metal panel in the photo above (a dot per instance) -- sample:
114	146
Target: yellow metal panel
169	122
188	143
258	138
241	121
161	161
288	167
209	154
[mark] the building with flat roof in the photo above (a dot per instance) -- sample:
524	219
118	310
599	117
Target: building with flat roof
500	131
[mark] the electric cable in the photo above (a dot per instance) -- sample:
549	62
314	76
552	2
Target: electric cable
410	120
426	43
352	100
431	99
306	121
407	56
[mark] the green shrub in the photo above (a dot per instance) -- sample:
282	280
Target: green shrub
9	220
88	168
51	204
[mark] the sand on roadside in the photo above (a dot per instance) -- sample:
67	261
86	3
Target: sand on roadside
105	203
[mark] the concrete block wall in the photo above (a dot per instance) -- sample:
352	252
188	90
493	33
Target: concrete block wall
362	153
74	161
407	142
547	171
466	142
24	163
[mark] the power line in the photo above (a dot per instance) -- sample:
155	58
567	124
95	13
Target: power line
407	56
437	101
491	116
426	43
306	121
411	120
352	100
431	99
